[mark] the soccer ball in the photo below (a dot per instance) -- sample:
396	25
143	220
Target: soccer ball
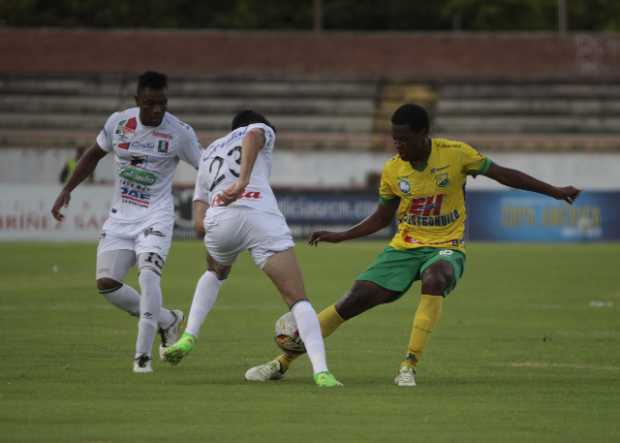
287	336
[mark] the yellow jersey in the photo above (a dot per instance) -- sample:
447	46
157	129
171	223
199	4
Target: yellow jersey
432	211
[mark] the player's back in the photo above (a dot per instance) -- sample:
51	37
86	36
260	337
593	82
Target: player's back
220	166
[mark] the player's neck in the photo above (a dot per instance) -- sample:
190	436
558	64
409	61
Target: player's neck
420	162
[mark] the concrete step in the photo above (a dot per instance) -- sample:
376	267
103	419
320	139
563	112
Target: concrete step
125	87
524	90
528	106
205	122
211	105
361	141
526	124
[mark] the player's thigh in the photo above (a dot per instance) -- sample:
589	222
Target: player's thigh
271	247
284	271
394	269
363	296
268	235
441	271
152	245
113	264
227	234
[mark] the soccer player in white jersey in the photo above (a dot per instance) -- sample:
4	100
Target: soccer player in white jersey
147	143
235	206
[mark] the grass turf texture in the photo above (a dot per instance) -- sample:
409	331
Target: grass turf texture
527	350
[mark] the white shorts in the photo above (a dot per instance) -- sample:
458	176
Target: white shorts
144	237
232	230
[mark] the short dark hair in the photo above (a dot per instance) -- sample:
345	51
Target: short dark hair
153	80
415	116
247	117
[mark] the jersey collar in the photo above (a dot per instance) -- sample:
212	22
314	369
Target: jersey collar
420	167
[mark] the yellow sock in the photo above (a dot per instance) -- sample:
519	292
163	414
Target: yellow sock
329	319
426	317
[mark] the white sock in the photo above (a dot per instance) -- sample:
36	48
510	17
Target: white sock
205	295
150	305
128	299
310	332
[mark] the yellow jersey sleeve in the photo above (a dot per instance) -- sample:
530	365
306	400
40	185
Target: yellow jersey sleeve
386	191
474	162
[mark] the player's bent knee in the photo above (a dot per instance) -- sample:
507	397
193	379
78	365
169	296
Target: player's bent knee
437	279
364	295
105	285
221	271
292	301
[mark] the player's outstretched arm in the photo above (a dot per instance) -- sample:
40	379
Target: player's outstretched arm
251	144
382	217
85	167
519	180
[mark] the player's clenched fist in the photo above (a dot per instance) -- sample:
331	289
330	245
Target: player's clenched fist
568	194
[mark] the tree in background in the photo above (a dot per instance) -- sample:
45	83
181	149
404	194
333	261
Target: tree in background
354	15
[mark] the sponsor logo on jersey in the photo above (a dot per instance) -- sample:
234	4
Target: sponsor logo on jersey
125	127
436	220
425	205
138	175
163	135
426	211
162	146
140	145
135	197
404	186
123	146
248	195
441	180
137	160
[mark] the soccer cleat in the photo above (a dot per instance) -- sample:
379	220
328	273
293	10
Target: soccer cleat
326	380
142	364
171	334
268	371
406	376
173	354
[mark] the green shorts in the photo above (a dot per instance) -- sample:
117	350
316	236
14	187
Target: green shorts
396	269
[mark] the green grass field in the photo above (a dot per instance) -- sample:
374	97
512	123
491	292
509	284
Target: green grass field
527	350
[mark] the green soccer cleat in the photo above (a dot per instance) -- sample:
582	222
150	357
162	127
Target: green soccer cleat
170	335
326	380
175	353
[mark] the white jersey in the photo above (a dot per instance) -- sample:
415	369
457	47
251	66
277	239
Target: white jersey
146	158
220	165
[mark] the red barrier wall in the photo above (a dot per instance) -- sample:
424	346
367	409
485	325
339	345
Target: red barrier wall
430	56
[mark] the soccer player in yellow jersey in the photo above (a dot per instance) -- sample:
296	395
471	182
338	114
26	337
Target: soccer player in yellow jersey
423	186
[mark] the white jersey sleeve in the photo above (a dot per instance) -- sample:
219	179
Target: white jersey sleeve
200	189
190	149
270	136
104	139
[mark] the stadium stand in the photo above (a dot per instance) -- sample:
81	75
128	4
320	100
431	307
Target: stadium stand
66	111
